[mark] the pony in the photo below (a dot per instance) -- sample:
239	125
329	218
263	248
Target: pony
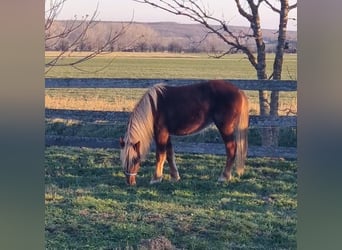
183	110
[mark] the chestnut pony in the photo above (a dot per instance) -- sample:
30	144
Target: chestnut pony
183	110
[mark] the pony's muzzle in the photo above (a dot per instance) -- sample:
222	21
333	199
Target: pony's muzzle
130	179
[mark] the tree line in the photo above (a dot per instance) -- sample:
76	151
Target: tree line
141	37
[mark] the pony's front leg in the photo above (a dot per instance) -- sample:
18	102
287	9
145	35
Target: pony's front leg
160	159
171	160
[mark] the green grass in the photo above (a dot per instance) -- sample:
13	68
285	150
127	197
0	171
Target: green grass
148	65
89	206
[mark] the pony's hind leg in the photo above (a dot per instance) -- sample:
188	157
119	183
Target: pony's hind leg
171	160
227	135
226	174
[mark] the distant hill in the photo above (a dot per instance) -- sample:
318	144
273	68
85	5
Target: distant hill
172	29
163	36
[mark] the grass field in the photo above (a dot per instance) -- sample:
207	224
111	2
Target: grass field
168	65
89	206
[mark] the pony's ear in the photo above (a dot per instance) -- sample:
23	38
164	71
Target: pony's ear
137	147
122	142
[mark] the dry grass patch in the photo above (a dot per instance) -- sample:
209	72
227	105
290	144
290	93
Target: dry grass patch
125	100
93	104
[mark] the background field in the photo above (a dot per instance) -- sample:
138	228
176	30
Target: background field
169	65
89	206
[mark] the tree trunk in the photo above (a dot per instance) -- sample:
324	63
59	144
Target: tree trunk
261	74
277	66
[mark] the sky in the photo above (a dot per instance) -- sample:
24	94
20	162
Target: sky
126	10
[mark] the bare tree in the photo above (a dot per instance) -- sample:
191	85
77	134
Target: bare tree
73	36
239	41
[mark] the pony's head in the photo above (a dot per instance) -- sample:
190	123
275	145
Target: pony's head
130	158
136	143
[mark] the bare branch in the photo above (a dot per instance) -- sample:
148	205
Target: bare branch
100	50
75	31
293	6
243	12
230	51
55	8
272	7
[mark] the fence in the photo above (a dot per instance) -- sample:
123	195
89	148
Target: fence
91	116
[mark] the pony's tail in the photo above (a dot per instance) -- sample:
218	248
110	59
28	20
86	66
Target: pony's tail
241	136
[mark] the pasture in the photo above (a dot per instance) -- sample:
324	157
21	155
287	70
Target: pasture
89	206
168	65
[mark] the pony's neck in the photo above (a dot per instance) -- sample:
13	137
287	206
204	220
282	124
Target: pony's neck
140	127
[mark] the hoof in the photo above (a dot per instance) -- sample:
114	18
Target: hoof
175	179
222	178
154	181
240	172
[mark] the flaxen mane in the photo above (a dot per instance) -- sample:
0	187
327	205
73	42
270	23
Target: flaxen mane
140	126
